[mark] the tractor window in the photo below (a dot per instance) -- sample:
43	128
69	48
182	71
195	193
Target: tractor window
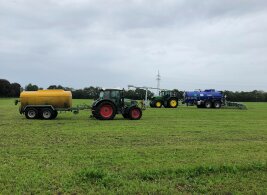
106	94
101	95
115	94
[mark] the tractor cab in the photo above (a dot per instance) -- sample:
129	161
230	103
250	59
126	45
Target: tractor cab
166	98
114	95
112	102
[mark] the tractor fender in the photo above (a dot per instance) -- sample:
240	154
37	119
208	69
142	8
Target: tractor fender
172	98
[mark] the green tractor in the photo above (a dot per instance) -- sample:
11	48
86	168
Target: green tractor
112	102
166	98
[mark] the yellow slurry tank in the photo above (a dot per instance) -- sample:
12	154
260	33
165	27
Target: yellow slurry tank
56	97
45	102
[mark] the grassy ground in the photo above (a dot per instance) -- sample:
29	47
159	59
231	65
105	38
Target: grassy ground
169	151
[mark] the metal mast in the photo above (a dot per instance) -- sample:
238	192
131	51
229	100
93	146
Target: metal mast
158	82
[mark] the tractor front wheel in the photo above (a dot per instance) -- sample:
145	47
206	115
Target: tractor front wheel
105	111
135	113
158	104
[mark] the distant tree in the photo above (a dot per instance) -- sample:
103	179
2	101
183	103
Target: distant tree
4	88
138	94
91	92
253	96
15	89
31	87
78	94
55	87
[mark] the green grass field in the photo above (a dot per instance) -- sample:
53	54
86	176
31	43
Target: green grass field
169	151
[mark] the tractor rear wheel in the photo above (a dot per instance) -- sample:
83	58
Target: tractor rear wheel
105	111
208	104
31	113
172	103
135	113
158	104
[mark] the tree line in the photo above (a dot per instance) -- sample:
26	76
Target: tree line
8	89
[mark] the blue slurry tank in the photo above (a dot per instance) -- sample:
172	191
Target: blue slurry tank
208	98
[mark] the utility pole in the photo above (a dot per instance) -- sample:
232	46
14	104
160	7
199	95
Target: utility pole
158	82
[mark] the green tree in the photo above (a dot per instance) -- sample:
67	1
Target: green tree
15	89
31	87
55	87
4	88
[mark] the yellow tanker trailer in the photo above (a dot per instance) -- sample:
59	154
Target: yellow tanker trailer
45	103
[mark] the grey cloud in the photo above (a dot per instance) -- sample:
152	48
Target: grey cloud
195	44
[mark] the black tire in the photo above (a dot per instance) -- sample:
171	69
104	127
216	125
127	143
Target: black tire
217	105
208	104
31	113
171	103
105	111
47	114
135	113
158	104
55	113
152	104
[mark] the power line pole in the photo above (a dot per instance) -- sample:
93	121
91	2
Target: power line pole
158	82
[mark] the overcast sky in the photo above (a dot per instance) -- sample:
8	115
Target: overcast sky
78	43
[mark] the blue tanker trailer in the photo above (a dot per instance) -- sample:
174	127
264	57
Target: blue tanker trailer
208	98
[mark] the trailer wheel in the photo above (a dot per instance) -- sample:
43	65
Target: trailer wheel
135	113
55	113
31	113
172	103
158	104
105	111
217	105
208	104
47	113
